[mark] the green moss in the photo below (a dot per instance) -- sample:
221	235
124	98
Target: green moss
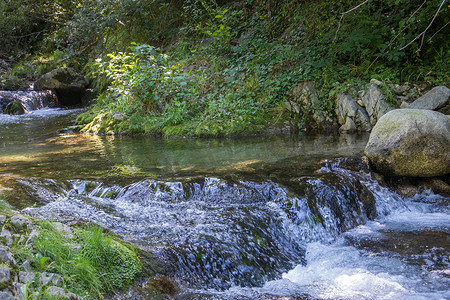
5	284
90	186
85	118
14	108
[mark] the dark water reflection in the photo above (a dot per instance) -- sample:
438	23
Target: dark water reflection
31	146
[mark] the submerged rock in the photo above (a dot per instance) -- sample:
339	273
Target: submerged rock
411	142
68	85
28	100
15	108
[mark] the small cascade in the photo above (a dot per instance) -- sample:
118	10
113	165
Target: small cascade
30	100
336	235
218	234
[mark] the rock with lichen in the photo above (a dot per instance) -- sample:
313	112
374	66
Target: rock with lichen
411	142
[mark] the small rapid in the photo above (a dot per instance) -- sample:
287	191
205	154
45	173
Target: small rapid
31	100
404	255
336	235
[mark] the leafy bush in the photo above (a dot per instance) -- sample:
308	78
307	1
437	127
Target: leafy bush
141	81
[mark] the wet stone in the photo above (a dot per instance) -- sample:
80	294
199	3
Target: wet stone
6	296
26	277
407	190
6	256
19	222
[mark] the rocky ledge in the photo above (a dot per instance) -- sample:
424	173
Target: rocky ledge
42	259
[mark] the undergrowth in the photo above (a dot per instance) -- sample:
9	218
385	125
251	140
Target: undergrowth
208	68
230	68
91	262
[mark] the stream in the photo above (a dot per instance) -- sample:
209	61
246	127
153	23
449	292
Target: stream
297	217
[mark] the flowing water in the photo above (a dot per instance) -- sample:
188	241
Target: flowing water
250	218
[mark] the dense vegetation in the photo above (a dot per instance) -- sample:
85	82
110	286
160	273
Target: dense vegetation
222	67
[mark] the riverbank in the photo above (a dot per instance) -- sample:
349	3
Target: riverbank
212	68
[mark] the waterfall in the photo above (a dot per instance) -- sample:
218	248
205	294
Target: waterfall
30	100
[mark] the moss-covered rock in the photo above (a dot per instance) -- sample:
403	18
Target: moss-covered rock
15	108
68	84
411	142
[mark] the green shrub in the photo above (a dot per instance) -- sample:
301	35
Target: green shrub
102	265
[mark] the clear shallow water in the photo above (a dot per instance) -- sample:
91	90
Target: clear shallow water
31	147
245	218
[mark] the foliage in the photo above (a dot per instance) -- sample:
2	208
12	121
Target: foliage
149	93
227	67
24	24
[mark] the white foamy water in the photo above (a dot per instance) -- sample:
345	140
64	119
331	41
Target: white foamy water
44	113
247	240
404	255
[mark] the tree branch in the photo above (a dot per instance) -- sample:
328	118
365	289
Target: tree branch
406	26
438	31
80	51
344	13
422	34
356	7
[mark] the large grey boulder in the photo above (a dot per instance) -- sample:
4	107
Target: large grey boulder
352	116
435	99
68	85
411	142
375	102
